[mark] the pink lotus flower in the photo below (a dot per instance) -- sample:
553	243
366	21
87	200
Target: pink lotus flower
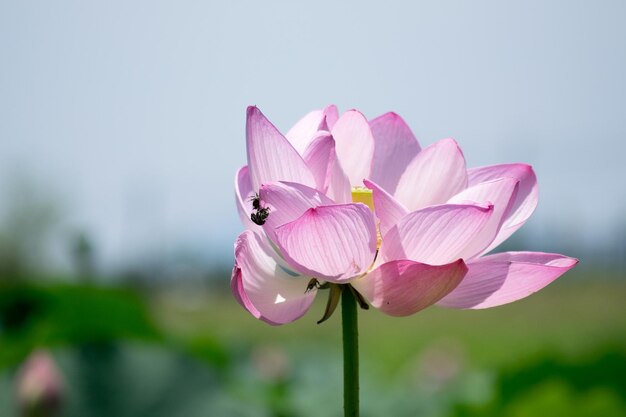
414	236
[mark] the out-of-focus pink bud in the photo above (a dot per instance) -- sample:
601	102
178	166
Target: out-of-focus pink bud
40	386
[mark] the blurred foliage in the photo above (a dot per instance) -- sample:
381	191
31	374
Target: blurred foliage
50	315
592	385
557	398
561	353
604	368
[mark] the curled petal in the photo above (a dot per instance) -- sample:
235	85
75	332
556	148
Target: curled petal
436	235
339	188
270	156
525	200
501	193
433	176
305	129
331	115
286	202
403	287
334	243
354	145
395	146
506	277
388	210
243	195
320	157
263	286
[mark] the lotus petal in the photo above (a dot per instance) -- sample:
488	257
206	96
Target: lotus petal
435	174
264	286
354	145
305	129
403	287
501	193
331	115
395	146
243	195
388	210
506	277
334	243
287	202
270	156
525	201
320	157
436	235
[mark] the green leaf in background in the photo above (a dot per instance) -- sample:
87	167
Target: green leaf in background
52	315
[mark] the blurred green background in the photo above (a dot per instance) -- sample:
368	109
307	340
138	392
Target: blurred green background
189	350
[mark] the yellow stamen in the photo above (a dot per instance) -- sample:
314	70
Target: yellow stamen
364	195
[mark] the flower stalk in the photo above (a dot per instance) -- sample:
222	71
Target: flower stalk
350	352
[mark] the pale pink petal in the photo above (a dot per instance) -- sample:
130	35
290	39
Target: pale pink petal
436	235
331	115
334	243
403	287
326	168
388	210
501	193
243	197
320	157
433	176
286	202
305	129
506	277
525	201
270	156
354	145
339	188
395	146
264	286
236	286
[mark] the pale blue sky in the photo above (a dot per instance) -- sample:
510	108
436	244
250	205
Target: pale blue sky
134	111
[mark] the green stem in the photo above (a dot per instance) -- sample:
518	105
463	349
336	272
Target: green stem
350	353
